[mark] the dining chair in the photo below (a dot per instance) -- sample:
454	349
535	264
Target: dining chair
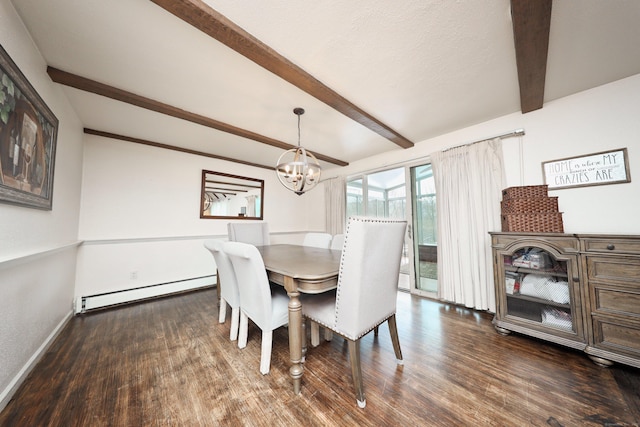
337	241
266	308
255	233
228	286
318	240
367	289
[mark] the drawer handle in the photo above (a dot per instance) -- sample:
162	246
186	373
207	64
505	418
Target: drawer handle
611	247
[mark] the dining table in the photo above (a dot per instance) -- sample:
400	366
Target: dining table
300	269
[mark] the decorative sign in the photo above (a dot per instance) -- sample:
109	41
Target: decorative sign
606	167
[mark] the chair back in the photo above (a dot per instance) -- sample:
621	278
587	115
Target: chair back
369	273
337	242
227	275
253	283
318	240
255	233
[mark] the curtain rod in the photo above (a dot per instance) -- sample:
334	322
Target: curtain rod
517	132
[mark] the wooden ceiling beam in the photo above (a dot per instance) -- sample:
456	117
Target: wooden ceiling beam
212	23
169	147
531	23
85	84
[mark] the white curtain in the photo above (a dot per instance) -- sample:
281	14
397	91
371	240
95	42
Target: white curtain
335	202
469	182
251	206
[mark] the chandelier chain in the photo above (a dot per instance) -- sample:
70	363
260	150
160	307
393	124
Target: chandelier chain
298	130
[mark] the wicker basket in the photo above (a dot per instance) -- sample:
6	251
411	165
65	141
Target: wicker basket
550	222
529	205
524	192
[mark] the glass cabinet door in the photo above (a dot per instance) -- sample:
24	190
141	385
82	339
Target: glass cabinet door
537	288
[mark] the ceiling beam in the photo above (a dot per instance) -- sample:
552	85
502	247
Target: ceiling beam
531	23
82	83
169	147
212	23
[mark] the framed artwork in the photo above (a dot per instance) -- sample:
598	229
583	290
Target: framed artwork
28	133
605	167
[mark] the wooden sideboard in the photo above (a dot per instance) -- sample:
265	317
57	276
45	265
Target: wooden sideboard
577	290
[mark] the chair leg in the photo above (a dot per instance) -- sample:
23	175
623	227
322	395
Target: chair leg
235	320
304	339
265	355
375	331
393	331
222	311
244	330
315	334
218	293
328	334
356	372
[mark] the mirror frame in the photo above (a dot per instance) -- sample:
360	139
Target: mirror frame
231	181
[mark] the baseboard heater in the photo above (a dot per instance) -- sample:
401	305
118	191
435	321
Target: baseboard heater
92	302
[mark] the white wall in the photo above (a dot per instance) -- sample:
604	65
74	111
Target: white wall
37	248
596	120
140	219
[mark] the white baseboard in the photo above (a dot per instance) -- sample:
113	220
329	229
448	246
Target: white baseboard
7	393
90	302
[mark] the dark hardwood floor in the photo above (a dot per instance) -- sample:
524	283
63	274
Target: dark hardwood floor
168	362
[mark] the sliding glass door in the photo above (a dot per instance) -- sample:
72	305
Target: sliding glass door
383	195
405	193
425	238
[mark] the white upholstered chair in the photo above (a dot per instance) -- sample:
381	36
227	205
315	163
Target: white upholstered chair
255	233
228	286
367	289
318	240
337	241
268	310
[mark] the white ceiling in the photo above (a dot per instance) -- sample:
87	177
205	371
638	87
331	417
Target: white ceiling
422	67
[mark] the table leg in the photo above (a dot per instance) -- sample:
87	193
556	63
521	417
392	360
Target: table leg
295	332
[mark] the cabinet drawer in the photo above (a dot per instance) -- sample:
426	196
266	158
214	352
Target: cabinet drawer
614	246
616	301
616	335
567	243
622	270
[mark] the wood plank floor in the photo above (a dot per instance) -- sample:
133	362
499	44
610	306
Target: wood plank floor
168	362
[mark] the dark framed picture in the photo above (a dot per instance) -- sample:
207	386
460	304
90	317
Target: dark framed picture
28	133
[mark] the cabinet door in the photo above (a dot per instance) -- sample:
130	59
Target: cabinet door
614	294
537	292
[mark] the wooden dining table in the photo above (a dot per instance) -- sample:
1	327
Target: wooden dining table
300	269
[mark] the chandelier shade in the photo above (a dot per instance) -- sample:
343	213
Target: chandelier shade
297	169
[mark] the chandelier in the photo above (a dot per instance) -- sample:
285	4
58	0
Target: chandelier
297	169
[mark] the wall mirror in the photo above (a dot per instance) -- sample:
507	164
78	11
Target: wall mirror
225	196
